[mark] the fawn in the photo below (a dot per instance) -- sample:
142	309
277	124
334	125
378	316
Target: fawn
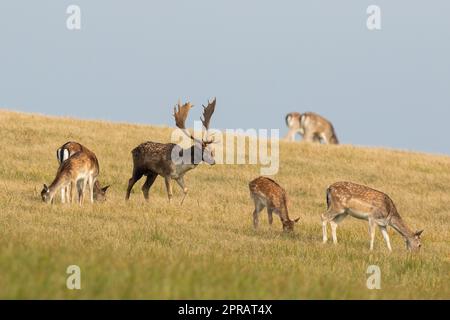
266	193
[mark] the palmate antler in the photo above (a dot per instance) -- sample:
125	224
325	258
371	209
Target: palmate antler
182	112
180	116
207	113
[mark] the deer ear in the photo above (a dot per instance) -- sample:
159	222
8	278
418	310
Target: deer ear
296	220
45	187
105	188
418	233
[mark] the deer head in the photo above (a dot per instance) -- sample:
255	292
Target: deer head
288	226
202	148
99	192
45	194
413	243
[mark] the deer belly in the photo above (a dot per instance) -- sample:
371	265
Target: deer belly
261	199
83	175
358	214
180	170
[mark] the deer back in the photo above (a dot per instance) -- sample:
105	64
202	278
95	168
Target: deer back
155	157
315	122
361	198
269	190
70	148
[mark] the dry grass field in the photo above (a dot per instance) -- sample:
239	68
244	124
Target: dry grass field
207	249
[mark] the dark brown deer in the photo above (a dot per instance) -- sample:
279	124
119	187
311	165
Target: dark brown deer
151	159
266	193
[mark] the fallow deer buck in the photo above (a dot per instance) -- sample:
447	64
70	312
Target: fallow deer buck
67	150
347	198
79	170
313	128
152	159
266	193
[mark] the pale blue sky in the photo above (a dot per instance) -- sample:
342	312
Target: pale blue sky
132	60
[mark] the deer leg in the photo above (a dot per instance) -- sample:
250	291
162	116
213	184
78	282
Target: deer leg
63	195
67	193
372	233
334	224
328	217
270	215
258	209
80	191
386	237
324	230
72	187
309	136
91	188
291	135
151	177
83	190
180	182
168	188
84	185
316	138
135	178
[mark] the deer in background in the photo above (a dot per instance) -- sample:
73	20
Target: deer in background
293	124
67	150
347	198
313	128
152	158
80	170
266	193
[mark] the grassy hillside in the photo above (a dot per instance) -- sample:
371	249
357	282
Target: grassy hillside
207	248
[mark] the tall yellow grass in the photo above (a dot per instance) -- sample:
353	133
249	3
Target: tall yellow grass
207	248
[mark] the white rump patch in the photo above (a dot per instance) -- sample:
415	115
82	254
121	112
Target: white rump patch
62	155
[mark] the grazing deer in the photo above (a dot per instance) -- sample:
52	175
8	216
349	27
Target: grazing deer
78	170
313	128
266	193
66	151
347	198
152	159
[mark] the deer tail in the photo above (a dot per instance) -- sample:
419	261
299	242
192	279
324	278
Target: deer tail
328	198
288	117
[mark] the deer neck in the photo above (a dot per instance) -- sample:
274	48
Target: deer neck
399	225
188	161
284	215
59	181
195	157
185	167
